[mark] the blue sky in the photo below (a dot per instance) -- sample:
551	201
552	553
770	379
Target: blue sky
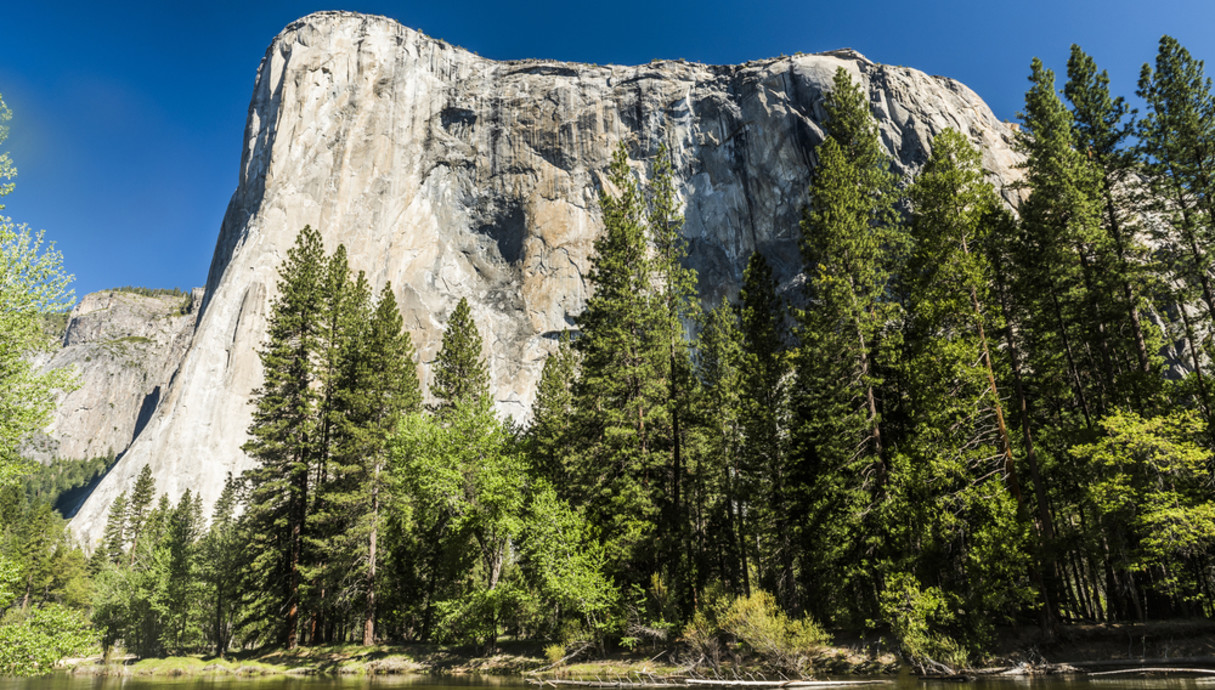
128	117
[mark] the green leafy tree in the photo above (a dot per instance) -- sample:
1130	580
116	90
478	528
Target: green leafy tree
32	283
565	563
464	478
1148	482
43	636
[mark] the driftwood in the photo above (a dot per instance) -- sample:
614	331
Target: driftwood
1157	669
656	682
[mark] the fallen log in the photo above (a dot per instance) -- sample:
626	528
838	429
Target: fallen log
786	683
1157	669
702	682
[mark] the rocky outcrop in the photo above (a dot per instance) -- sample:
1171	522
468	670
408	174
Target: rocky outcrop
455	176
124	348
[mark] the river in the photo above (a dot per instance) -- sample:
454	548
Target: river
65	682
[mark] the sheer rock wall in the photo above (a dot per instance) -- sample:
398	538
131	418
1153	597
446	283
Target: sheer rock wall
452	176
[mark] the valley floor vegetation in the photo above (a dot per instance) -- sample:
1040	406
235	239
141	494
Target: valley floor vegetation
961	419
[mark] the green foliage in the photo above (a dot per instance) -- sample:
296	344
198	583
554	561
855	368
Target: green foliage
152	292
552	424
919	616
632	394
783	643
32	283
32	644
63	482
460	375
1149	483
756	626
463	480
851	245
566	565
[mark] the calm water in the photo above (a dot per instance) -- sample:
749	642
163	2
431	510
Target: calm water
60	682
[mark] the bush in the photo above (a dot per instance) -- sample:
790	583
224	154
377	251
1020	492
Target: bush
31	646
916	616
784	643
755	625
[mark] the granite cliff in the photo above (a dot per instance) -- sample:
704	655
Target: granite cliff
452	176
124	347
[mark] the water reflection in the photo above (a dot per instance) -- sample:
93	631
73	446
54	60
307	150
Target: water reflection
905	682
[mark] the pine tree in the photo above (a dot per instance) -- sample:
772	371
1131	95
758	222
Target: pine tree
138	507
960	448
764	472
716	498
220	564
460	375
551	427
1101	134
850	243
1060	242
1175	147
115	539
674	290
283	438
345	312
622	468
381	388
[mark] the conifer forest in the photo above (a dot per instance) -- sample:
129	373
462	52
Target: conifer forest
979	408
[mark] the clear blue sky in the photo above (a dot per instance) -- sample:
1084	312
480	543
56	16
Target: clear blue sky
128	117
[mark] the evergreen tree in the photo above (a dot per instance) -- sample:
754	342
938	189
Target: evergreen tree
716	497
379	389
460	375
139	507
1175	146
114	541
1061	239
764	474
622	469
674	290
220	564
850	243
959	447
551	427
1122	270
283	438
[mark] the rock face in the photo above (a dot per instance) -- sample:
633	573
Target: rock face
124	347
455	176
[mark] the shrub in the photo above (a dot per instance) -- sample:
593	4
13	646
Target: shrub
754	625
917	616
784	643
31	646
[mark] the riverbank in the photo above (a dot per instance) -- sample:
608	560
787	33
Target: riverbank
513	659
1020	651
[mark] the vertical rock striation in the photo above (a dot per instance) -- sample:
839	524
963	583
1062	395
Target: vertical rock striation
124	348
455	176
